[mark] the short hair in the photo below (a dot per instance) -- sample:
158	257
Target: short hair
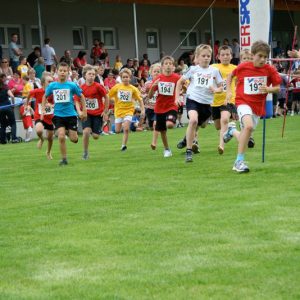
224	48
178	70
157	65
260	46
46	40
244	51
44	76
167	57
115	72
25	77
127	71
87	68
137	110
21	58
63	64
202	47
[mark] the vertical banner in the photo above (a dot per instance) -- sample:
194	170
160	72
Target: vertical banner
254	22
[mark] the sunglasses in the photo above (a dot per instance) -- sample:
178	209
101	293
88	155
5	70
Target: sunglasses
4	62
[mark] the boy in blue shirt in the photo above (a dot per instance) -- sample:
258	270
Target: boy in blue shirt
65	115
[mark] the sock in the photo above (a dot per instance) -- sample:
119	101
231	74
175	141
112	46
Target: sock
240	156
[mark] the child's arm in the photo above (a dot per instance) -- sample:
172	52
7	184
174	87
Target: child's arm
106	106
43	107
81	112
11	95
152	88
264	89
218	90
178	89
228	91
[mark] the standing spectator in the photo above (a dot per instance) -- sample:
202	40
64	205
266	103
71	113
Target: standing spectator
235	52
129	65
5	68
49	55
98	52
14	52
118	63
40	67
33	56
143	69
80	61
145	57
67	58
277	51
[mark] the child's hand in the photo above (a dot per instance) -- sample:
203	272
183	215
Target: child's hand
155	83
263	89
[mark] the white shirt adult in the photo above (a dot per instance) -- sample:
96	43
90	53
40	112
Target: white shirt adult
49	55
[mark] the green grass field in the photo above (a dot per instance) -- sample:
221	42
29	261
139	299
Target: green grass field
135	225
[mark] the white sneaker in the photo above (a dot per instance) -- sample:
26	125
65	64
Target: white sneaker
167	153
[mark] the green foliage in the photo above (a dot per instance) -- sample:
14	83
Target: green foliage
135	225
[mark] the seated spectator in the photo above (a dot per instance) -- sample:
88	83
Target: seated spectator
15	84
23	67
67	58
98	52
40	67
80	61
109	81
118	63
135	124
135	67
34	81
33	56
5	68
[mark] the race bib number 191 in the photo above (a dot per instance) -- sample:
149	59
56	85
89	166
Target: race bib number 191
252	84
166	88
61	96
203	80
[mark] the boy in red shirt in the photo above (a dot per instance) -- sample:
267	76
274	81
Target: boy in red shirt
165	106
254	80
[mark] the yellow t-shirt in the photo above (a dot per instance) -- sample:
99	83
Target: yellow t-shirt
118	65
23	69
27	88
225	70
124	97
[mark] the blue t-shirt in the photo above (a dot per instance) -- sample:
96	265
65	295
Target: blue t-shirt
63	97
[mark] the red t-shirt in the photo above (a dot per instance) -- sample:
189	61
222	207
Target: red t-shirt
144	70
27	119
93	94
165	100
249	79
78	61
38	95
296	84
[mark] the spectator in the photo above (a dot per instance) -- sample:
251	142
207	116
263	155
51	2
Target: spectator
33	56
135	67
118	63
5	68
143	69
40	67
67	58
23	67
106	66
145	57
14	52
7	116
129	65
15	84
35	82
235	52
49	55
109	81
183	66
98	52
277	51
80	61
226	42
216	50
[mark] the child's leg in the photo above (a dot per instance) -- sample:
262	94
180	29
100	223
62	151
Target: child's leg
73	135
118	127
191	129
164	139
225	116
86	137
154	137
50	134
244	136
39	128
126	126
61	133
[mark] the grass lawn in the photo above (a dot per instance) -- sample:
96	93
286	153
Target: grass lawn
135	225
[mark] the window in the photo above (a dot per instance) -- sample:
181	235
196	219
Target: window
5	34
191	41
35	35
78	37
105	35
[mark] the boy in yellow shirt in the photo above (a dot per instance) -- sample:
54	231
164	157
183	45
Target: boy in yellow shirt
124	96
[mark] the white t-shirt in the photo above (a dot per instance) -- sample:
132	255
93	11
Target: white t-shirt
48	54
200	81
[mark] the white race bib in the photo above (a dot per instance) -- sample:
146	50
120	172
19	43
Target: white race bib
153	99
91	104
297	84
203	80
24	69
252	84
125	96
61	96
48	110
166	88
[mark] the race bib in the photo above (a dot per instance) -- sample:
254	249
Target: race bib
224	83
166	88
298	84
252	84
28	113
91	104
61	96
48	110
153	99
203	80
125	96
24	69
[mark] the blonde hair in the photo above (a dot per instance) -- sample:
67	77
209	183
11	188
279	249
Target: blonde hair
157	65
44	76
87	68
202	47
127	71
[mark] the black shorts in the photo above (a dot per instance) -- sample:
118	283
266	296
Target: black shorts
281	102
70	123
151	117
46	125
203	110
216	110
93	122
161	120
296	97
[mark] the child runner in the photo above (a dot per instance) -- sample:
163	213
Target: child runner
165	106
254	80
65	116
222	110
205	80
150	102
26	113
46	121
94	92
124	95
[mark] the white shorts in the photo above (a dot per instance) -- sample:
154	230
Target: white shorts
245	109
121	120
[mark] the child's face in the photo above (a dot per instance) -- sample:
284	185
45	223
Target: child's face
48	80
100	70
125	78
90	76
155	72
167	66
260	59
225	57
203	58
63	72
23	61
246	57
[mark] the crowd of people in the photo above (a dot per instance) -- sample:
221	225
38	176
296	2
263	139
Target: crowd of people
139	95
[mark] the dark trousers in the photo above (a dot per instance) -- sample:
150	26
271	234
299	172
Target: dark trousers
7	118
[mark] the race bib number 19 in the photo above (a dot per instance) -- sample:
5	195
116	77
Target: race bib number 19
124	96
166	88
61	96
252	84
